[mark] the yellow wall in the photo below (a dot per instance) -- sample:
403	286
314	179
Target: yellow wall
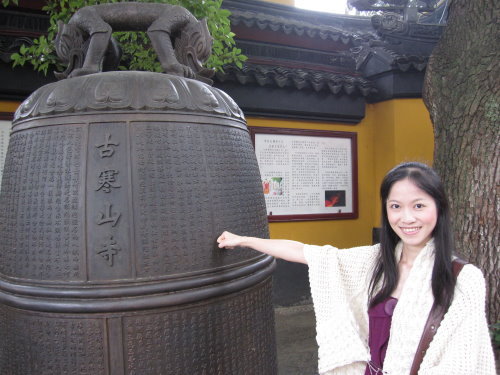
403	132
392	132
8	106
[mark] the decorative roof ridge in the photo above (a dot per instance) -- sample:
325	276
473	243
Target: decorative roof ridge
405	62
393	25
298	78
394	60
32	23
301	28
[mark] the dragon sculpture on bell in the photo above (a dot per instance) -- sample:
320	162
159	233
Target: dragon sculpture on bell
182	42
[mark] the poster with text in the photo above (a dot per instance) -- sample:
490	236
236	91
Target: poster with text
307	174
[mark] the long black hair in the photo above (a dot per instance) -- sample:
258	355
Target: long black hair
386	269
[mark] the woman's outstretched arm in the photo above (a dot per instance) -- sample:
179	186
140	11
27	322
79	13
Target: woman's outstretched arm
291	251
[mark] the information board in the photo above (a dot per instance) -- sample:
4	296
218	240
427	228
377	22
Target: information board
307	174
5	126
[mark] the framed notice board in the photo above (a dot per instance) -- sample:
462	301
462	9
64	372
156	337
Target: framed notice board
5	126
307	174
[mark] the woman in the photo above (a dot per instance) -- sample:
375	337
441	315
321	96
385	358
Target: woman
372	302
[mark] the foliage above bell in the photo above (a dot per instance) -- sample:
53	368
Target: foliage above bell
137	51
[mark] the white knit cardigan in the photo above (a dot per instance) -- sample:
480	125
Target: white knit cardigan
339	281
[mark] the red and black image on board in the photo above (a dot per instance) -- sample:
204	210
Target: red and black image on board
334	198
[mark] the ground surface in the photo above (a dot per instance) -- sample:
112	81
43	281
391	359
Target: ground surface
296	340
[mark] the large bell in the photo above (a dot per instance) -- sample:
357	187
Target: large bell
115	187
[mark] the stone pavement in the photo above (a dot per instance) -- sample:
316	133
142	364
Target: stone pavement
296	340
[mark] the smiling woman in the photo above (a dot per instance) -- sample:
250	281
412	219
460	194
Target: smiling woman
364	297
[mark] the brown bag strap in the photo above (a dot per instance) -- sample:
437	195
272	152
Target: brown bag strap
432	324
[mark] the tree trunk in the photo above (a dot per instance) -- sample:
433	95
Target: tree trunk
461	91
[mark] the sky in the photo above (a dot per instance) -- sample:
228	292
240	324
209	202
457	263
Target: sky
333	6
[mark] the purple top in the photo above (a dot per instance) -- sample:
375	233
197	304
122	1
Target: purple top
380	317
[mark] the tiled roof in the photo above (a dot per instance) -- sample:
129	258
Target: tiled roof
299	79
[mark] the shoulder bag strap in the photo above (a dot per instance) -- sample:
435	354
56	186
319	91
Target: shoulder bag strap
432	324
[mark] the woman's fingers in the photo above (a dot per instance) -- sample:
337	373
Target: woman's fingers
228	240
223	239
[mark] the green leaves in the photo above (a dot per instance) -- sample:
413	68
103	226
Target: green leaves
6	3
40	54
495	335
138	54
137	51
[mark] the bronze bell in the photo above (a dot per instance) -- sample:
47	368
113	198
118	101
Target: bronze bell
115	187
